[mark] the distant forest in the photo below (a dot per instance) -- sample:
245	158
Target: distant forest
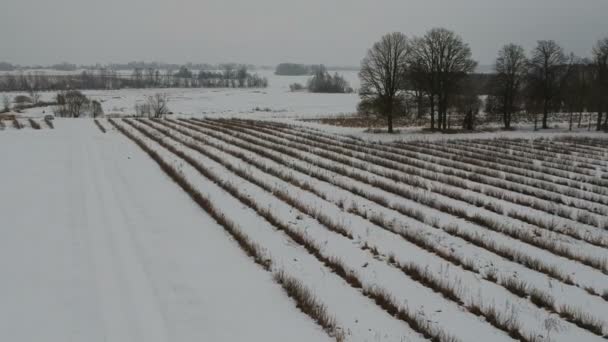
293	69
65	66
229	76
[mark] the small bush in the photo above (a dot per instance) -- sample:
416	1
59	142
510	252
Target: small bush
100	126
49	122
307	302
582	319
296	87
34	124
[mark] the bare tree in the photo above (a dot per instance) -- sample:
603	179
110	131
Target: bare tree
383	72
241	75
577	89
511	68
443	59
96	108
34	95
71	104
7	103
467	101
600	61
547	69
158	104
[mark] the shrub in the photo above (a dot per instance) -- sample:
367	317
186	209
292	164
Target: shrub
582	319
49	122
100	126
296	87
323	82
34	124
307	302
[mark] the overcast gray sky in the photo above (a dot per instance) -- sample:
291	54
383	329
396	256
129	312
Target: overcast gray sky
335	32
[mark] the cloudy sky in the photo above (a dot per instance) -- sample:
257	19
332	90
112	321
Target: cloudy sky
335	32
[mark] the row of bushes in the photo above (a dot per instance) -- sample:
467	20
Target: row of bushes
424	170
332	262
536	296
413	271
303	296
436	203
428	171
506	252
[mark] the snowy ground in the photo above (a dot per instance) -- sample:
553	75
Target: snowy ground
274	101
493	240
97	244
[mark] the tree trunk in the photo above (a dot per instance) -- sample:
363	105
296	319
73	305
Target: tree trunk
580	118
443	113
389	116
432	100
571	118
599	120
545	114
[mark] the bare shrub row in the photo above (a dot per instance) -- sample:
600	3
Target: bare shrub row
480	241
302	296
425	166
413	271
564	150
100	126
34	124
513	147
281	194
432	202
332	262
416	237
440	157
519	158
489	160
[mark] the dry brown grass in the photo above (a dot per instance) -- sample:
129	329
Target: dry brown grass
308	303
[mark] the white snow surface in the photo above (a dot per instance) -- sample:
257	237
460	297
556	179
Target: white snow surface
97	244
276	101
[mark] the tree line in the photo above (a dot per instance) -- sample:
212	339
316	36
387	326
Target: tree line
230	76
432	77
293	69
324	82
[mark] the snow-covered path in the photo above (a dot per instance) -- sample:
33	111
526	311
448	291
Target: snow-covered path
97	244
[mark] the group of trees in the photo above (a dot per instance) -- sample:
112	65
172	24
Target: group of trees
549	81
323	82
397	69
235	76
155	106
434	74
292	69
74	104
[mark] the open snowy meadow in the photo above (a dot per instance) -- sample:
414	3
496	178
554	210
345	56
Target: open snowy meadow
204	228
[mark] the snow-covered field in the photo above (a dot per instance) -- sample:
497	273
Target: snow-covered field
456	240
272	102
